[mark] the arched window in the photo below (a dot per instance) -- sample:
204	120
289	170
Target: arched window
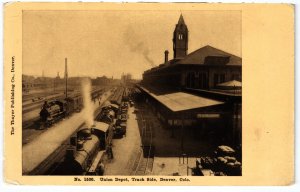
180	36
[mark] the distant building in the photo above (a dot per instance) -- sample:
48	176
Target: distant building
201	89
27	83
30	83
101	80
126	78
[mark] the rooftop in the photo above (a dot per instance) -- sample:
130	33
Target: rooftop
180	101
205	55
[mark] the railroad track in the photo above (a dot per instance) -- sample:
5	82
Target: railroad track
30	123
145	163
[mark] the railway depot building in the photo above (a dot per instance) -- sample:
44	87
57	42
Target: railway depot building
200	91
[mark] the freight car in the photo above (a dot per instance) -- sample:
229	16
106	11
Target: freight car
117	96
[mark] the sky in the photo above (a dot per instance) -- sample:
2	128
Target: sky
110	43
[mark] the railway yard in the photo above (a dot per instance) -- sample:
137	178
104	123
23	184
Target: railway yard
51	158
136	140
126	138
31	108
179	117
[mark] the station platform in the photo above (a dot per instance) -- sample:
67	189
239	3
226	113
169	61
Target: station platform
126	150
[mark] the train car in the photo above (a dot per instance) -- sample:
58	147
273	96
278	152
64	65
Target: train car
75	103
125	96
120	128
109	106
107	115
114	107
117	96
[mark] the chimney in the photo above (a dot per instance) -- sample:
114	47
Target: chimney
166	56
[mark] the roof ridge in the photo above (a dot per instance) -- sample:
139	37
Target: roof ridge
209	46
198	56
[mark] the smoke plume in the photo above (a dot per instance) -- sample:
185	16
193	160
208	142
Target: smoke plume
137	45
88	112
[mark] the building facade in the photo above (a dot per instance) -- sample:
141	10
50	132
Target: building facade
204	68
200	90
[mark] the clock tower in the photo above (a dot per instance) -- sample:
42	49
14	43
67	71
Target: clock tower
180	39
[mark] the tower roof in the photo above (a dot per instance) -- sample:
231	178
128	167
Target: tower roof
181	20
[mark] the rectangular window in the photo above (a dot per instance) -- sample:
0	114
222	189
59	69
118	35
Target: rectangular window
216	79
205	81
193	80
222	78
200	80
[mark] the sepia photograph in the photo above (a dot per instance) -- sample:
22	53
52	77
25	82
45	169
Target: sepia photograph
132	93
149	94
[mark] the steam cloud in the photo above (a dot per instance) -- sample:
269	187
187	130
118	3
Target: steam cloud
87	102
137	45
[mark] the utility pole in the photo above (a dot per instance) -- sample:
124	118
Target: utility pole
66	76
182	122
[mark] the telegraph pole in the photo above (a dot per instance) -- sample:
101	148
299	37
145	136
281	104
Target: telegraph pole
66	76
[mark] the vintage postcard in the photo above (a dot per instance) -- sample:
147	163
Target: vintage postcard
149	94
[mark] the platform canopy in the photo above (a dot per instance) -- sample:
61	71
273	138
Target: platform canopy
233	83
180	101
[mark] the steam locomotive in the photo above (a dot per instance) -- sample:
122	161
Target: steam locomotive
53	111
86	151
87	147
